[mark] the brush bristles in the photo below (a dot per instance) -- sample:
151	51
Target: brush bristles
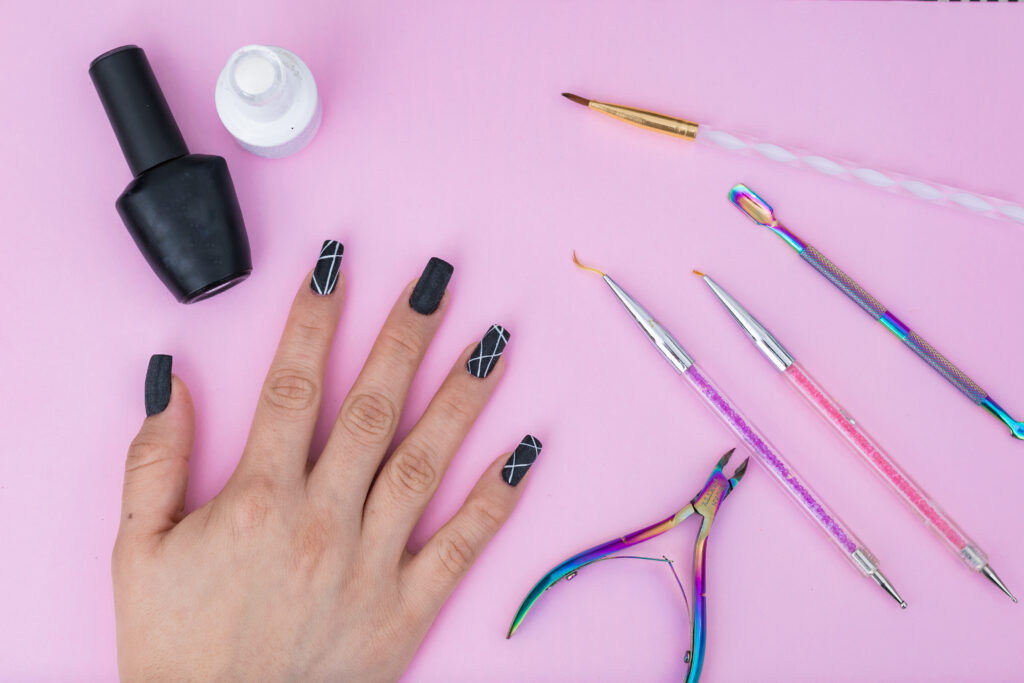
576	98
697	272
592	270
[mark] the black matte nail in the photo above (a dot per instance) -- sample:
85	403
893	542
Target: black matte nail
426	296
328	267
519	462
158	384
488	351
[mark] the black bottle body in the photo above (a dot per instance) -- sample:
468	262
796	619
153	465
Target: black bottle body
185	219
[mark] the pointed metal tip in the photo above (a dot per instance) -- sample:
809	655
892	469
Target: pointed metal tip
576	98
880	579
991	575
724	460
741	470
592	270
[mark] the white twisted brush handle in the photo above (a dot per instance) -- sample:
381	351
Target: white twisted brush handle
896	183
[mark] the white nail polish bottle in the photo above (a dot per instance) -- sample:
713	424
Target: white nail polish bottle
267	99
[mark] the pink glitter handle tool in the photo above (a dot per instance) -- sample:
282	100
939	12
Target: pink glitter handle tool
782	472
869	451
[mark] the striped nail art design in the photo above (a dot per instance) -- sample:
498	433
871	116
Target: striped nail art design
519	462
328	267
488	351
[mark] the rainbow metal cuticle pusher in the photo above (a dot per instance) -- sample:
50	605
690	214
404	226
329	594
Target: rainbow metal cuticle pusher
767	455
858	439
758	210
705	504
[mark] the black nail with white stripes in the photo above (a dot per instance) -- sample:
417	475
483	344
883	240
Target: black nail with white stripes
328	267
519	462
486	354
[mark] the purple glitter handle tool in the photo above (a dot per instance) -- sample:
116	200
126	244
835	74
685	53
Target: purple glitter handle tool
770	458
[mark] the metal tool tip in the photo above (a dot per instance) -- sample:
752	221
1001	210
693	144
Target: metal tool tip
741	470
592	270
699	274
991	575
757	209
724	460
576	98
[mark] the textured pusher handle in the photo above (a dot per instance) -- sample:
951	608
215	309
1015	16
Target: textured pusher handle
876	310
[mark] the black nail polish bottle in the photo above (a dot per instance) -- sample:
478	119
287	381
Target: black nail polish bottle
181	209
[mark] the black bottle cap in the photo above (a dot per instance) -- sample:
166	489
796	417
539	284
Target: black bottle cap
136	107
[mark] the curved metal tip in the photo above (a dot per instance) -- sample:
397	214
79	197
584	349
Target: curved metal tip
740	471
757	209
576	98
724	460
592	270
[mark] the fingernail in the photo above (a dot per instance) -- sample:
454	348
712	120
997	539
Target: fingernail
488	351
519	462
158	384
328	267
426	296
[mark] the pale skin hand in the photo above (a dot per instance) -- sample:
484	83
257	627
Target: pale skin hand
293	571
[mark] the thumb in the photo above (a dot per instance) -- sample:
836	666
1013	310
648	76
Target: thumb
156	470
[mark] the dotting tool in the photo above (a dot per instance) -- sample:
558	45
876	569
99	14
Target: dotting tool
888	181
870	452
766	454
759	211
705	505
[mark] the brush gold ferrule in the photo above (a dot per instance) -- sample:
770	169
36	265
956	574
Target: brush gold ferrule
670	125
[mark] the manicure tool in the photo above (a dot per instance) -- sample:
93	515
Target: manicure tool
889	181
858	439
705	504
766	454
762	213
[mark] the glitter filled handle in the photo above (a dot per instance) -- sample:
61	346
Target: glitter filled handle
888	181
882	464
781	471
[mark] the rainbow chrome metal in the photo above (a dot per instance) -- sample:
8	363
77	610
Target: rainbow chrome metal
762	213
705	504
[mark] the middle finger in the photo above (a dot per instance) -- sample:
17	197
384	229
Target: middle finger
369	414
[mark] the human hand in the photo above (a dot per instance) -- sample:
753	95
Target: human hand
300	571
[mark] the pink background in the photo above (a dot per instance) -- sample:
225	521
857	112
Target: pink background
444	134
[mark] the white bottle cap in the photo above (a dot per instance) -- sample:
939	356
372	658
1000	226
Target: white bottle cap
267	99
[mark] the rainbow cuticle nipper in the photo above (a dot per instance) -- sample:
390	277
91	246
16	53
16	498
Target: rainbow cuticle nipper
706	505
758	210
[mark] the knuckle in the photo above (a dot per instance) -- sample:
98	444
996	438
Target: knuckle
455	553
312	541
253	503
292	390
369	416
412	473
484	517
144	454
401	342
458	408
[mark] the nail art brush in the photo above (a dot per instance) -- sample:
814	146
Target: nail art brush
764	453
758	210
858	439
889	181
